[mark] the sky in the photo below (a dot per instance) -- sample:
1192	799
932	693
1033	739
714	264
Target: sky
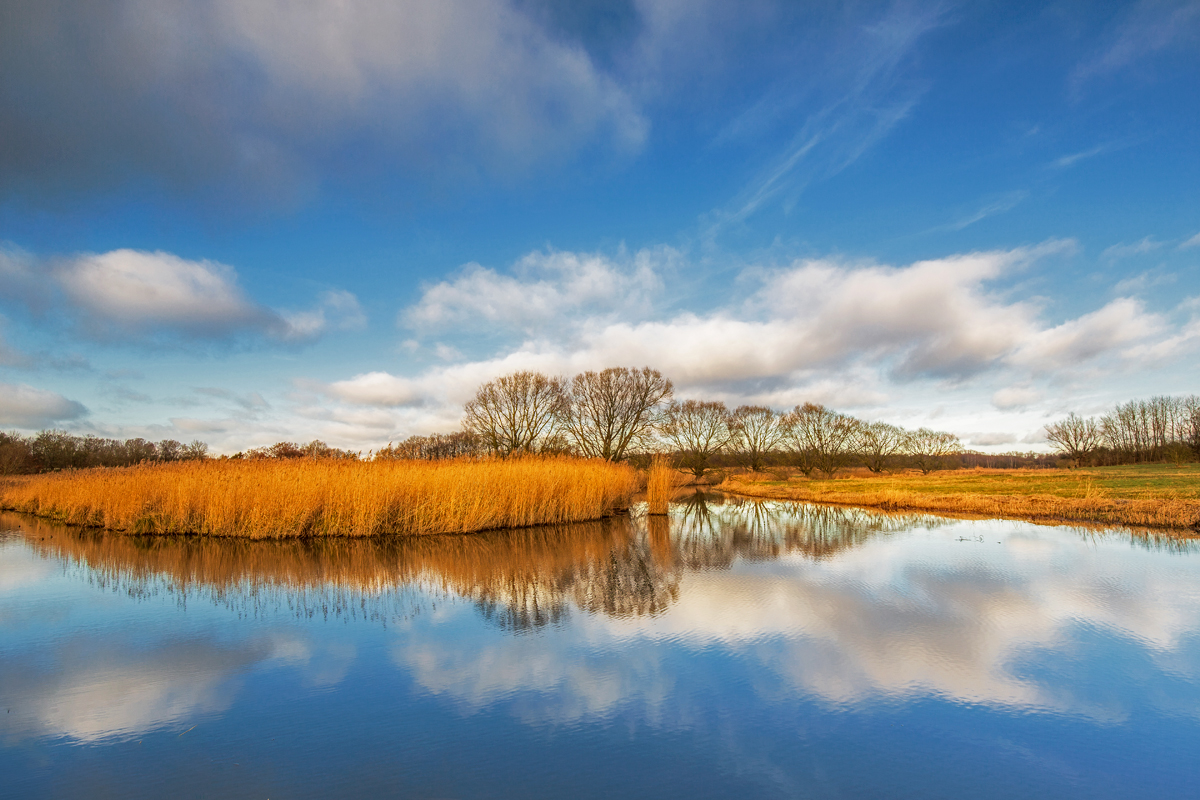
248	221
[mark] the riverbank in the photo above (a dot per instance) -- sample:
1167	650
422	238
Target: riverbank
313	497
1144	495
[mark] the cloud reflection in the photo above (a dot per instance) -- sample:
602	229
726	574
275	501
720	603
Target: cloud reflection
839	606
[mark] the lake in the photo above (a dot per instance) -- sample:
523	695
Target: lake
733	649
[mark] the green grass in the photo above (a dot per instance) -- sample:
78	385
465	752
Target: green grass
1154	495
1137	481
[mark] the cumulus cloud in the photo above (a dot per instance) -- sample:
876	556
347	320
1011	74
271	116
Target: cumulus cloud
135	295
376	389
274	89
132	290
24	406
543	286
851	335
1119	324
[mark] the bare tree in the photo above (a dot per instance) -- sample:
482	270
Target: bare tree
606	413
928	449
878	444
515	413
757	431
1075	437
822	438
697	430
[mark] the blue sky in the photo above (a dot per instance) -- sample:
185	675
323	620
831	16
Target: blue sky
252	221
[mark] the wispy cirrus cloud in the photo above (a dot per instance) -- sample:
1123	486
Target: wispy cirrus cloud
1144	30
1116	252
863	97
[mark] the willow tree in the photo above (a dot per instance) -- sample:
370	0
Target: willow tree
756	432
878	444
1075	437
697	430
607	413
515	413
820	437
929	450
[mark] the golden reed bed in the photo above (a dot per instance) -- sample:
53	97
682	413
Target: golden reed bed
1173	513
306	497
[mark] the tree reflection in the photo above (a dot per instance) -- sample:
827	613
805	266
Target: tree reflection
521	580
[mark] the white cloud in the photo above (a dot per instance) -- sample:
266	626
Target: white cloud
376	389
850	335
23	406
1192	242
138	295
931	318
1120	324
544	286
336	310
1014	397
130	290
988	439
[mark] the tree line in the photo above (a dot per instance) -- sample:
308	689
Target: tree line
1158	429
55	450
621	412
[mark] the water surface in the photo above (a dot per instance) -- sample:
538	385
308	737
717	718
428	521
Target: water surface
736	648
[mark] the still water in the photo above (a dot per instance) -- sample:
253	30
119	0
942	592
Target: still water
735	649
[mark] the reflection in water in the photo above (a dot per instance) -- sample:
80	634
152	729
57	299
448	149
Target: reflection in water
752	647
521	580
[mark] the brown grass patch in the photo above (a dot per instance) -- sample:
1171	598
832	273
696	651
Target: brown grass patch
661	482
305	497
1118	496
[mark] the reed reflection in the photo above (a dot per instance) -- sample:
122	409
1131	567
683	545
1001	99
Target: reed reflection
520	579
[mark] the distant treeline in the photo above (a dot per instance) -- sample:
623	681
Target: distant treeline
622	413
626	414
54	450
1158	429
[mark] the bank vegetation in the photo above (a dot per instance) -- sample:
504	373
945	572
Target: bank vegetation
278	498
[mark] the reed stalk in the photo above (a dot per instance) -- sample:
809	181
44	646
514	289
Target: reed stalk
661	480
315	497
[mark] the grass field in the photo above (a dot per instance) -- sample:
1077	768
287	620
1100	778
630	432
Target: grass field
306	497
1145	495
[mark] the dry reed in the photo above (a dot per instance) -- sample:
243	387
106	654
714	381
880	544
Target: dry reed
306	497
1158	512
661	481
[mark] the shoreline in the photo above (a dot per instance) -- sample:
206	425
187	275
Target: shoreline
1176	515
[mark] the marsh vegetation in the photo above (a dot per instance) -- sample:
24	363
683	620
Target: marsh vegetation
1149	495
538	449
327	497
